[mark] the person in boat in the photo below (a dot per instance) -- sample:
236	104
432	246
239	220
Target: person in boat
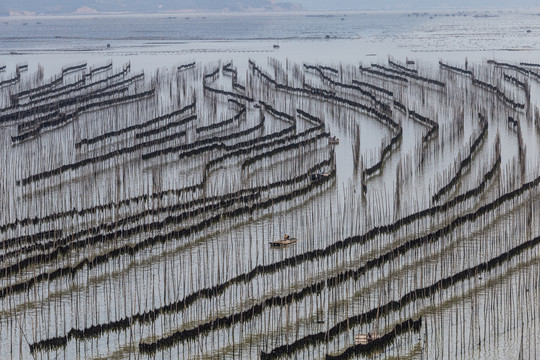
369	337
286	237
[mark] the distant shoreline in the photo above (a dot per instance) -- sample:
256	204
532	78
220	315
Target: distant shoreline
310	13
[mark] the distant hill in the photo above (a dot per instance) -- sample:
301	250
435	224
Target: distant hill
57	7
21	7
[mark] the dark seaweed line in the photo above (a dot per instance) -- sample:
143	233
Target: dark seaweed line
433	126
101	158
58	80
515	81
63	118
380	343
416	242
186	66
519	69
11	81
334	281
401	67
278	114
529	64
455	69
247	147
228	93
411	75
73	68
99	69
224	122
192	147
313	119
242	148
298	259
211	75
331	282
152	314
465	162
40	92
386	108
227	68
247	315
384	152
374	87
135	127
52	92
111	231
287	147
78	98
190	299
330	69
480	188
389	228
400	106
77	88
383	74
151	241
423	119
328	96
29	239
239	148
395	305
97	230
499	93
64	103
222	322
220	146
166	127
190	209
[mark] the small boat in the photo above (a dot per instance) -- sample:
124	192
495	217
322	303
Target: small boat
276	46
364	339
333	140
287	240
319	176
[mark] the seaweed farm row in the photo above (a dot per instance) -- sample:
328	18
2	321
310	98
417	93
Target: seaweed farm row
137	210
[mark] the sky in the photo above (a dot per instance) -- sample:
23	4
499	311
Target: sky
89	6
415	4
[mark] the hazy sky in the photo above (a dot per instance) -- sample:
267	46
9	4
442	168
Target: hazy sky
414	4
69	6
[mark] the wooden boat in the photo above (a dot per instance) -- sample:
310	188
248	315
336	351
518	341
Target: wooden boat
364	339
287	240
319	176
333	140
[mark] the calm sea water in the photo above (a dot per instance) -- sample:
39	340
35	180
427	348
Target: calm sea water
346	36
46	32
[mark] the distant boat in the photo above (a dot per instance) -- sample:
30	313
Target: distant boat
287	240
276	46
319	176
